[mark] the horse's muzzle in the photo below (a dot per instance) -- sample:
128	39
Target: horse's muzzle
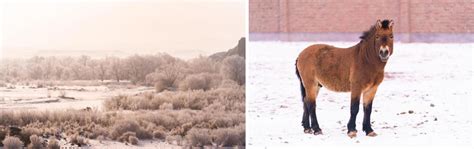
384	54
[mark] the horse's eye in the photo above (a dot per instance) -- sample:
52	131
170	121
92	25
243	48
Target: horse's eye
391	36
376	37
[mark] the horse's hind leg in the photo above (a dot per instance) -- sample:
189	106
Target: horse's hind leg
305	122
310	101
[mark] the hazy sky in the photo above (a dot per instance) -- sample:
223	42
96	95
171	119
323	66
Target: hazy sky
173	26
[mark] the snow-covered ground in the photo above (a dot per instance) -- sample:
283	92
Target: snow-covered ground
77	97
432	80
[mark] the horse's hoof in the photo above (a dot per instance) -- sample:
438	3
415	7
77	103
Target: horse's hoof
319	132
372	134
308	131
352	134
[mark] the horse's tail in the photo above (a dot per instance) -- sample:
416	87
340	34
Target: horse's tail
302	89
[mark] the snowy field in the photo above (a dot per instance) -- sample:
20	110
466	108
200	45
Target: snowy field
23	97
432	81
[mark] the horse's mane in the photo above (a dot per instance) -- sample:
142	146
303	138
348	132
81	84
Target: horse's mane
368	33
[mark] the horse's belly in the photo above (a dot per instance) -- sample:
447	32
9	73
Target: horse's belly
334	76
338	85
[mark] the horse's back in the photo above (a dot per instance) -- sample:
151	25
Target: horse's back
327	65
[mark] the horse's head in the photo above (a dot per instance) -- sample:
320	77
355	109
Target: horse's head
384	39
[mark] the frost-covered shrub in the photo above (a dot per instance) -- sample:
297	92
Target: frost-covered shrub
228	137
199	137
197	82
116	103
174	139
3	134
53	143
12	143
27	132
133	140
125	136
77	139
233	67
35	142
123	126
159	134
166	106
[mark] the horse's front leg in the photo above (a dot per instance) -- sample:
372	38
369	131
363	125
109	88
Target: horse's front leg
355	101
368	100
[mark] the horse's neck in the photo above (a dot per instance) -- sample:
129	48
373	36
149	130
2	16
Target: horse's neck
367	56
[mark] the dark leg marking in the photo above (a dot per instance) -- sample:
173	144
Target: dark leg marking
351	126
366	126
305	121
314	120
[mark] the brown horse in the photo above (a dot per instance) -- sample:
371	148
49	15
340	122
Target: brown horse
358	69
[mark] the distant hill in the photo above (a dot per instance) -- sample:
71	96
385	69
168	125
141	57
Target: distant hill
237	50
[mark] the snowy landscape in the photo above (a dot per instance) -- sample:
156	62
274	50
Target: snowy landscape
425	98
140	101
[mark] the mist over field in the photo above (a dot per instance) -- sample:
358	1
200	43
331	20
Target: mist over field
184	29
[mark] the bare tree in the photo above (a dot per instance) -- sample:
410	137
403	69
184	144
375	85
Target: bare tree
48	67
102	69
203	64
136	68
166	76
84	59
116	68
58	72
35	71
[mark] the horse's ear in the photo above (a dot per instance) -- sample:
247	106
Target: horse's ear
379	24
390	25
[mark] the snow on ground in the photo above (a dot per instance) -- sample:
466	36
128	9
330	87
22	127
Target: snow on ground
432	80
149	144
28	97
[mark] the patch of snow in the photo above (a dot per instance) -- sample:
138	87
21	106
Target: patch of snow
430	81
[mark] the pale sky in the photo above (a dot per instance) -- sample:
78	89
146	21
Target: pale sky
176	27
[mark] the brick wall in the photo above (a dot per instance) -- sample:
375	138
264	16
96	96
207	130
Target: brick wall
415	20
